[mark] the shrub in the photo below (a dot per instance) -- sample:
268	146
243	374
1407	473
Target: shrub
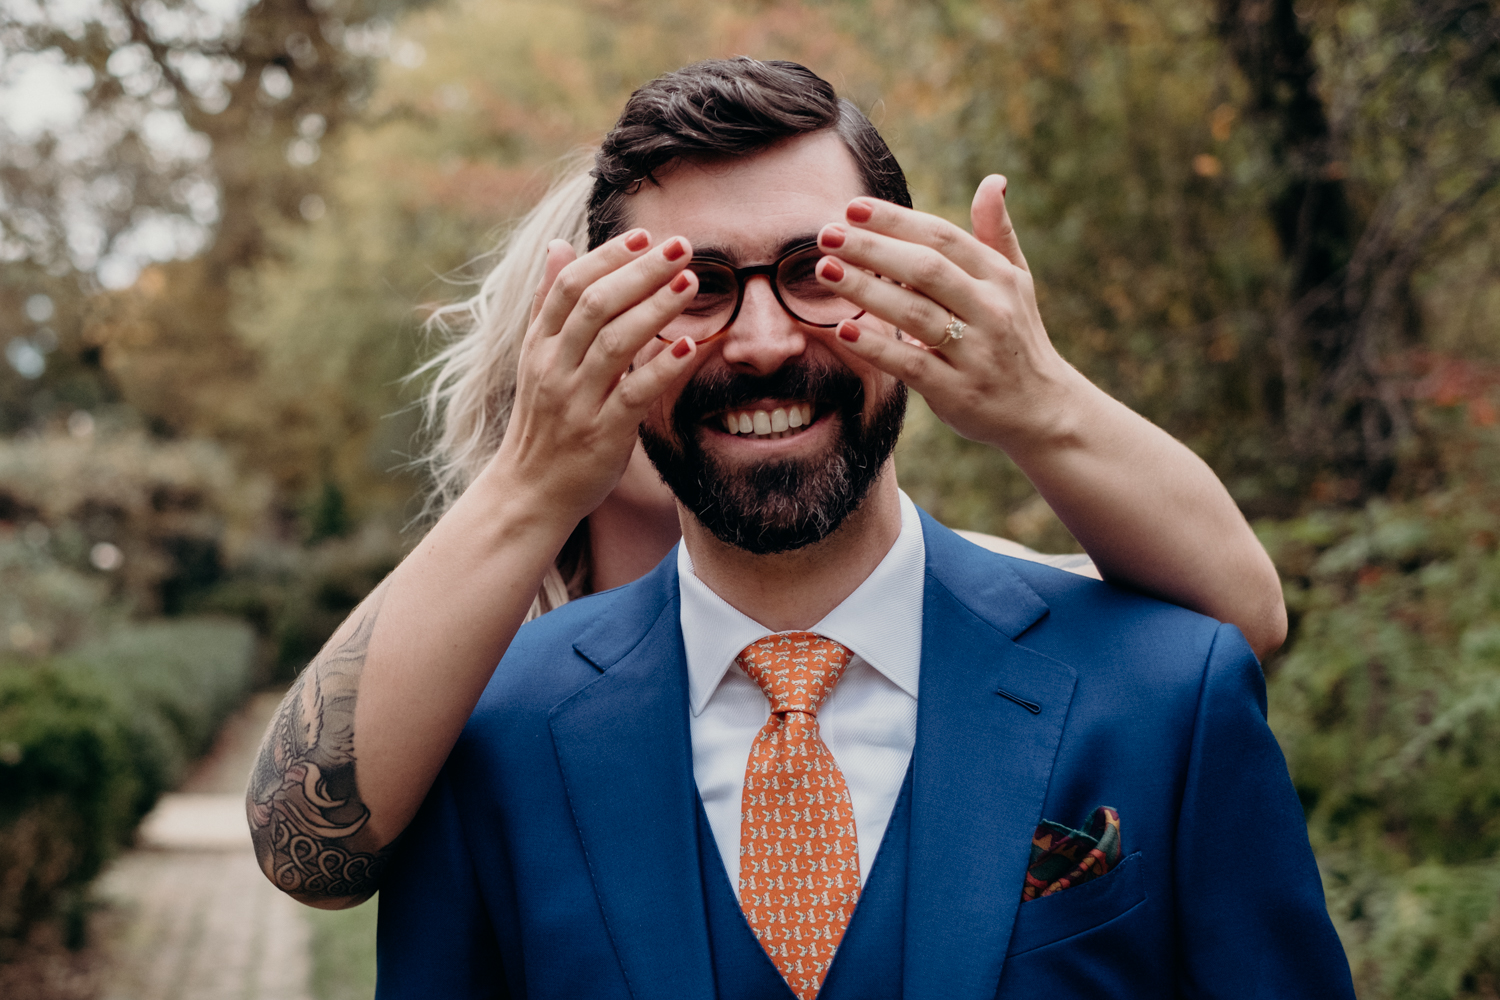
45	605
1387	703
177	513
297	596
90	740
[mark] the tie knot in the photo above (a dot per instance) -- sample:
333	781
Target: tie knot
796	670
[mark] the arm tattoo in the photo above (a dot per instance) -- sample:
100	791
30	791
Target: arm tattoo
307	821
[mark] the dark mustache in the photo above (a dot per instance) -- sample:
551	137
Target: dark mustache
716	391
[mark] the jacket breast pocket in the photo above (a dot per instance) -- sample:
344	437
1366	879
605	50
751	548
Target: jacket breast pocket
1082	908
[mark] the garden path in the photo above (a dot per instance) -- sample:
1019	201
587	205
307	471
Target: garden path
196	919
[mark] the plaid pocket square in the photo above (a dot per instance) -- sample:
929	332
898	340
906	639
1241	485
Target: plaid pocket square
1062	858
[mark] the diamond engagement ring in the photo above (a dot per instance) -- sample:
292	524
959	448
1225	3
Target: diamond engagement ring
953	331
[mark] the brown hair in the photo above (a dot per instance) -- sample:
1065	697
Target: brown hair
724	108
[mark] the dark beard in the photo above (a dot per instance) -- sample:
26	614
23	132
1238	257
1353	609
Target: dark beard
784	505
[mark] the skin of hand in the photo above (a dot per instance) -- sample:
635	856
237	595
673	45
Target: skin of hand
1005	384
392	688
573	425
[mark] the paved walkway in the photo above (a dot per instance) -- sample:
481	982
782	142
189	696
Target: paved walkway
196	920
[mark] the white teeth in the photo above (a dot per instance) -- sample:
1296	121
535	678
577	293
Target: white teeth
780	422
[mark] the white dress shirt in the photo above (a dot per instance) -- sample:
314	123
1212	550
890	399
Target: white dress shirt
868	721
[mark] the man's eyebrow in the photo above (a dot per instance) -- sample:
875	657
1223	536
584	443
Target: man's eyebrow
728	255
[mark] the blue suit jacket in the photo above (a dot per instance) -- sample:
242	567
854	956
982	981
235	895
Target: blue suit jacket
557	856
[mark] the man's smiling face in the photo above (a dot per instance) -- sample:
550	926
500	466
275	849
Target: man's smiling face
720	443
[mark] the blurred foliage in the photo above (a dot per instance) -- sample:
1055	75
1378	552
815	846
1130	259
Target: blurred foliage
153	519
87	743
44	604
1387	703
1151	175
296	596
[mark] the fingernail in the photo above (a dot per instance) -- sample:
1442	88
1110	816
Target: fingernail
1004	183
832	269
859	210
637	240
683	345
849	330
680	283
674	249
832	238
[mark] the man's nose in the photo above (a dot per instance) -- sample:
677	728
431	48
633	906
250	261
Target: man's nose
763	335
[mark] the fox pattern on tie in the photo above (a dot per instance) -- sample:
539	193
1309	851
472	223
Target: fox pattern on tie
799	854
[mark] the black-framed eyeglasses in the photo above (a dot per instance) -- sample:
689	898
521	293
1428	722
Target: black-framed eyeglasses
794	282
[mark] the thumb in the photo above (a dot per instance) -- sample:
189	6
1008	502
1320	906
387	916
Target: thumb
991	221
560	254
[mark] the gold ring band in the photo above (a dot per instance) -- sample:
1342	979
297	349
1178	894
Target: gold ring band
953	331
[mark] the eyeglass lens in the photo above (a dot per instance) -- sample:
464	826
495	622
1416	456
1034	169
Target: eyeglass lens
797	288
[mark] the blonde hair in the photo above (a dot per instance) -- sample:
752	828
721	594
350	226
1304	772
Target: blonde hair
466	406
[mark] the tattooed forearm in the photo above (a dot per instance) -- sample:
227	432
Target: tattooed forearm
306	818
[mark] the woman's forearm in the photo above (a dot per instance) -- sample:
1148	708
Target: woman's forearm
1152	515
361	735
393	687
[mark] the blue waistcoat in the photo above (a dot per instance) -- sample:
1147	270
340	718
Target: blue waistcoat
867	965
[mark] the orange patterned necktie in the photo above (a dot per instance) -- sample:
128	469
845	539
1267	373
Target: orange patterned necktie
799	856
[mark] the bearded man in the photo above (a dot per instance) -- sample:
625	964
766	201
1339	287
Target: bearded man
828	748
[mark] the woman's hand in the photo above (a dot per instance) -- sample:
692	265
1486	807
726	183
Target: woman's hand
997	378
1151	514
578	401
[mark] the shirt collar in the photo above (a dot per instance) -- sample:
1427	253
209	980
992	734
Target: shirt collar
881	622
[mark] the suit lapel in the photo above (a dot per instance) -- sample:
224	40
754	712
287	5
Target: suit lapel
623	746
980	769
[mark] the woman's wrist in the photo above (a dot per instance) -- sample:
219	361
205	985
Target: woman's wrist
505	500
1055	414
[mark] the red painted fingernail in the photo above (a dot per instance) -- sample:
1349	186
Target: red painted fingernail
849	330
859	210
637	240
832	269
680	283
680	349
674	249
833	237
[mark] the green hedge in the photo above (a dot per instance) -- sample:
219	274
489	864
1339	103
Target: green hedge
1387	703
88	741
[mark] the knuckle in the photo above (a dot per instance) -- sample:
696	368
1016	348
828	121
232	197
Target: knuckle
628	394
909	365
915	318
929	267
591	306
610	341
571	282
640	388
942	236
